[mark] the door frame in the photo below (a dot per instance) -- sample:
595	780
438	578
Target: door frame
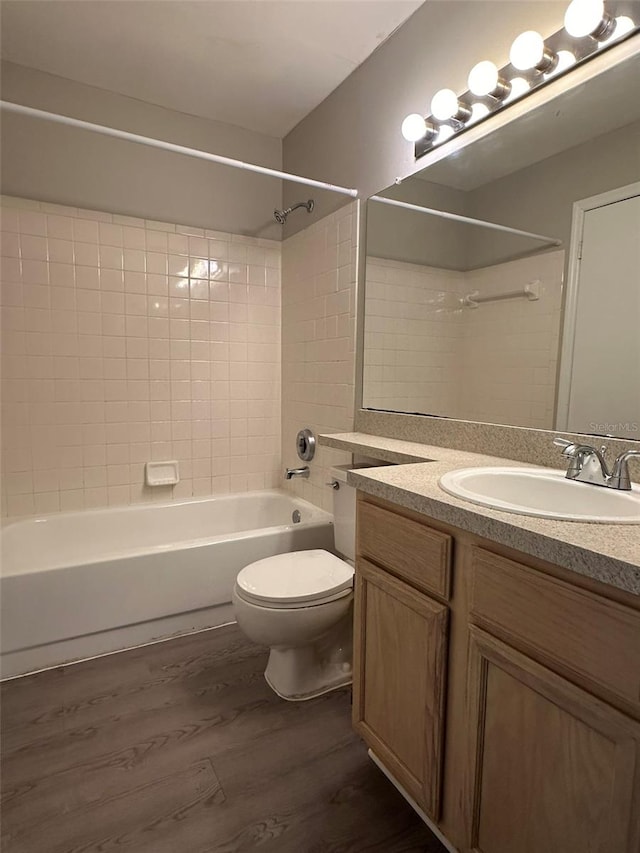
565	369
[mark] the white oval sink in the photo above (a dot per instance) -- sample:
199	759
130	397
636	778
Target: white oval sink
543	492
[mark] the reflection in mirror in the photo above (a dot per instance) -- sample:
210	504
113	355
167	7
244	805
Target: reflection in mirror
465	321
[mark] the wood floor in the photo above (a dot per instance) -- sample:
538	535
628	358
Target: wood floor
181	747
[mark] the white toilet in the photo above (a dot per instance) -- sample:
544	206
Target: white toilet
300	604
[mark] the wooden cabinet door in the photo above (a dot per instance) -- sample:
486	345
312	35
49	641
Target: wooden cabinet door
400	651
552	768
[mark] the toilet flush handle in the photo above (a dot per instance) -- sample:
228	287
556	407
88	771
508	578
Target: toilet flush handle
334	484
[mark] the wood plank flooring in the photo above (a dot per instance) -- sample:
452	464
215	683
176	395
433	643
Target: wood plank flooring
181	747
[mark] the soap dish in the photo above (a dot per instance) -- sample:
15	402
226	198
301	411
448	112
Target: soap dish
162	473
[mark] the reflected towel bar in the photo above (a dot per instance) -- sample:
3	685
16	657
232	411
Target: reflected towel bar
531	291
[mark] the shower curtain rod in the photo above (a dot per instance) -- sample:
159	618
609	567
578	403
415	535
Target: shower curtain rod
457	217
11	107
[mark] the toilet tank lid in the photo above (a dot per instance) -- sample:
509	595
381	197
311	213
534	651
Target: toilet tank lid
298	576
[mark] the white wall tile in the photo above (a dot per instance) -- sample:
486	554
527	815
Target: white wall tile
495	363
318	299
109	362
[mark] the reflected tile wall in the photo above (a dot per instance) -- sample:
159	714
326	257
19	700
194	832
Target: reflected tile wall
496	363
125	341
412	335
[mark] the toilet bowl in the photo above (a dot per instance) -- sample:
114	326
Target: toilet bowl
301	605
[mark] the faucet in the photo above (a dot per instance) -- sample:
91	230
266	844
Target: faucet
620	478
290	473
588	465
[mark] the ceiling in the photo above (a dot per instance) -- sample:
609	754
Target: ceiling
258	64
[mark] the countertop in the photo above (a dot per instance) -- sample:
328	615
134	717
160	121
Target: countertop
609	553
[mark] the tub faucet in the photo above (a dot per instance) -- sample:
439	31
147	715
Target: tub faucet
290	473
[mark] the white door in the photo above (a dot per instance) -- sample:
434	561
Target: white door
600	372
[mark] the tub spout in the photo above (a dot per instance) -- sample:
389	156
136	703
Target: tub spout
290	473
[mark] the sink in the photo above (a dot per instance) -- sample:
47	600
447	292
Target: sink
543	492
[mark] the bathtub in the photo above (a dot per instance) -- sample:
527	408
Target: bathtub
74	585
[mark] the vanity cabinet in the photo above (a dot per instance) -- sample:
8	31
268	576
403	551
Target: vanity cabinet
400	650
502	693
551	767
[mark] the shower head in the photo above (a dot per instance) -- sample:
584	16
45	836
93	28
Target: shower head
281	215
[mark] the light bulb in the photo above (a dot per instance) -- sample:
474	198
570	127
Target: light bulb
518	87
565	60
445	132
587	18
529	51
445	105
478	111
623	25
483	78
414	127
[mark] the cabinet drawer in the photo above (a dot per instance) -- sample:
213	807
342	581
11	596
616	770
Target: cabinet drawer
595	639
412	551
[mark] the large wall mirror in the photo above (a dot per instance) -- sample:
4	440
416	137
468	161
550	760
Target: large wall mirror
538	329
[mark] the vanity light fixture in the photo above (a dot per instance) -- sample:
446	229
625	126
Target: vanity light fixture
624	25
529	52
590	26
585	18
565	60
484	80
445	132
446	106
415	127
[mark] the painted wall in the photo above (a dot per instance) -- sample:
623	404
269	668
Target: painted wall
550	188
82	169
417	238
125	341
353	137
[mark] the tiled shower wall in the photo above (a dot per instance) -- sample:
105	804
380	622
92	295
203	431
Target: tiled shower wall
496	363
510	353
318	343
124	341
412	336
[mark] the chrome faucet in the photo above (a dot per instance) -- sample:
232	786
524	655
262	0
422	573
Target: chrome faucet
290	473
620	478
588	465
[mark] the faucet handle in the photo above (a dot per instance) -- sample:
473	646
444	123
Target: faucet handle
567	446
620	478
562	442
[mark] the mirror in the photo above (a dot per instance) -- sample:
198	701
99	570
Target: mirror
538	330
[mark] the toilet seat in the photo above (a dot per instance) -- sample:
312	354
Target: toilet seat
297	579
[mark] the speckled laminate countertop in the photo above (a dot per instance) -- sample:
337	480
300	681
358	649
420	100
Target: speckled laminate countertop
609	553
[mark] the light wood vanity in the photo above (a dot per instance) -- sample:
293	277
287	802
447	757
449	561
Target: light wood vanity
500	691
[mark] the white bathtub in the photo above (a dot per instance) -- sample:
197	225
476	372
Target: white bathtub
79	584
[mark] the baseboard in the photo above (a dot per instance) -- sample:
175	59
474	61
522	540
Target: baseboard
28	661
436	831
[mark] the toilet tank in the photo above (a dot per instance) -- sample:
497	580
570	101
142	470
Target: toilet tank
344	511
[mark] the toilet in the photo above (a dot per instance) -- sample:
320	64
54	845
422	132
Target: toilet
301	606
